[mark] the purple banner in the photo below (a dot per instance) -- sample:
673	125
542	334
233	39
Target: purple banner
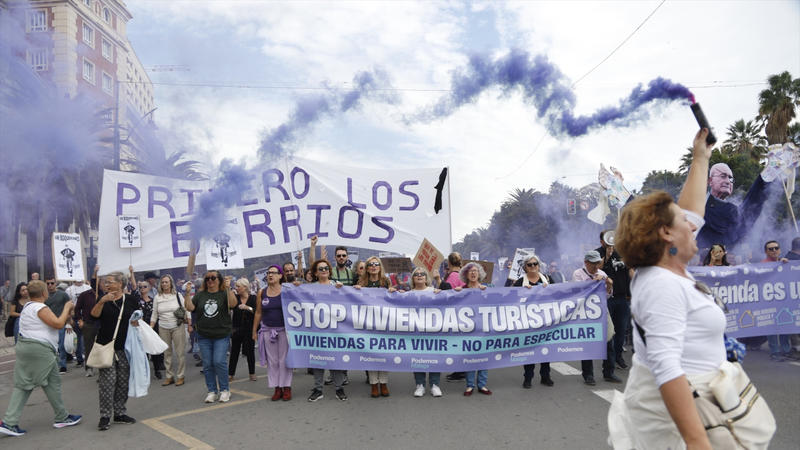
762	299
372	329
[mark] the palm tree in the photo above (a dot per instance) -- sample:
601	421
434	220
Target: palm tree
746	138
777	105
149	156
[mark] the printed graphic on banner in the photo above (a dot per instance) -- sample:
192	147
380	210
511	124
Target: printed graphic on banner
68	256
474	256
371	329
224	250
261	276
518	263
762	299
130	234
428	257
381	209
396	265
352	259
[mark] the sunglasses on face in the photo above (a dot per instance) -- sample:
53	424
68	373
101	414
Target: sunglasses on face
341	256
420	274
374	264
51	282
323	268
772	249
211	278
532	264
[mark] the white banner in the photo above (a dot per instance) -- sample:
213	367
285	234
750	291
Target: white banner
68	257
387	210
130	233
224	250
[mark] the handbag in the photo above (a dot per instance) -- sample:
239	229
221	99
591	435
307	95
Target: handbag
747	424
180	313
102	355
9	331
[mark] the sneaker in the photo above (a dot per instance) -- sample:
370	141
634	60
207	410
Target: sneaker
315	395
72	419
104	423
225	396
612	378
589	381
526	384
341	395
62	370
11	430
794	355
777	357
436	391
211	397
419	391
122	418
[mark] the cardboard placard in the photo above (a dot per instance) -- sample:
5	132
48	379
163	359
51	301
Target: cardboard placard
517	269
428	257
68	257
396	265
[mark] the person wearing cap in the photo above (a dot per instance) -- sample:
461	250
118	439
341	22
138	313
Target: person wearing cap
592	261
619	302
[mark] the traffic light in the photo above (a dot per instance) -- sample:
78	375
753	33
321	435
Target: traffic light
571	209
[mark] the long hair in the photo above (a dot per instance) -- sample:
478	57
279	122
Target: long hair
382	279
707	259
18	291
171	285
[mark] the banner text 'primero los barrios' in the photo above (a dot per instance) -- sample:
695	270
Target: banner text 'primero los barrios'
391	210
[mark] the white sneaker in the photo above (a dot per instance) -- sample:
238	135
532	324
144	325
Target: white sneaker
419	391
211	397
435	390
225	396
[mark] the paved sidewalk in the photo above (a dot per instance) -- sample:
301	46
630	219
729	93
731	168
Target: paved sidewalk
6	345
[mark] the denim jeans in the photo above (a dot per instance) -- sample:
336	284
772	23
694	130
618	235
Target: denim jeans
62	352
433	377
620	310
774	347
483	377
79	346
215	362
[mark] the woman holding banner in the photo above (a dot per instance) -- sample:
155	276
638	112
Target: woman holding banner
534	277
471	276
678	342
375	278
420	282
453	270
214	302
270	332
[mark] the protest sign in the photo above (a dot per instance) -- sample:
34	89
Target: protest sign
352	258
386	210
224	250
68	256
428	257
487	266
474	256
261	276
396	265
130	234
517	264
372	329
761	299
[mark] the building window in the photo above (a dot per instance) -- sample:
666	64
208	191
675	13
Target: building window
106	15
108	50
88	35
37	58
88	71
37	20
108	84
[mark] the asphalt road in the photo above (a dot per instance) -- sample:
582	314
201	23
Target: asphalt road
569	415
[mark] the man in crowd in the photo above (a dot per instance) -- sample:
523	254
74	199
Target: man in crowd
592	262
619	306
289	271
556	276
34	276
780	346
74	290
86	323
151	290
56	301
341	272
794	253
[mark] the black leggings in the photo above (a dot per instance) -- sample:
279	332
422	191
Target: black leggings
246	345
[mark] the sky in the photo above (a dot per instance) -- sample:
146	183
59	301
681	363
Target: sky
246	63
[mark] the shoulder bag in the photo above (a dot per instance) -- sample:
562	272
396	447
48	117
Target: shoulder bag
102	356
180	313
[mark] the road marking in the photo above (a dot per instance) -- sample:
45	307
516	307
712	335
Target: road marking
795	363
564	368
189	441
606	394
8	362
7	371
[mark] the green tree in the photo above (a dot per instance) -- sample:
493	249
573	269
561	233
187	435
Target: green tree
663	180
746	138
777	105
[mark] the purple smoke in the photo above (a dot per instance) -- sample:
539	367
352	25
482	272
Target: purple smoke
548	91
232	181
277	142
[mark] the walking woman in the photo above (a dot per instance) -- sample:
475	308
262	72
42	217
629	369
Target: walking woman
321	270
36	363
213	303
113	311
420	282
171	331
20	299
242	336
533	277
471	276
375	278
270	331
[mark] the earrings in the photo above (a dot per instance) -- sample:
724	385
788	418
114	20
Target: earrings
673	250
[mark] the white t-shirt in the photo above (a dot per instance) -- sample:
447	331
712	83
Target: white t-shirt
32	327
164	306
74	291
683	327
